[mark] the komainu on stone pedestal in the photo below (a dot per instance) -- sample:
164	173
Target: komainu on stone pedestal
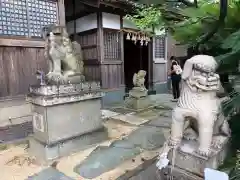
65	60
198	118
138	97
66	109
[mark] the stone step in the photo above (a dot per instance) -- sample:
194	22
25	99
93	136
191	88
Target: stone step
15	120
14	112
151	92
15	132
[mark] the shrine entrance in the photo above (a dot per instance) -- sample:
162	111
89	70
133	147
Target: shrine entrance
136	57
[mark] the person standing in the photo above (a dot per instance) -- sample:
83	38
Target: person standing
175	78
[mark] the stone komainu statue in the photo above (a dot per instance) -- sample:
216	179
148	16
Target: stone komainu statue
199	105
65	60
139	79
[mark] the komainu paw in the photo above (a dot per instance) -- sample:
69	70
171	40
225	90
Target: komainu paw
190	134
217	142
205	153
173	143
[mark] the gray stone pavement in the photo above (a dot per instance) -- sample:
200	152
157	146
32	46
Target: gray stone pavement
149	173
147	170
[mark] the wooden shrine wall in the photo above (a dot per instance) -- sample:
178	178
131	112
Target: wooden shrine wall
18	66
89	43
112	64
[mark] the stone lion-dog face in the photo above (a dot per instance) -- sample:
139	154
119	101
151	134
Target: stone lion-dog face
197	100
65	60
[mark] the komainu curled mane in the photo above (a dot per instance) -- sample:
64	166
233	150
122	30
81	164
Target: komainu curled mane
139	80
65	60
198	108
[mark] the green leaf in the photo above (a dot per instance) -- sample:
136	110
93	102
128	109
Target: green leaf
232	41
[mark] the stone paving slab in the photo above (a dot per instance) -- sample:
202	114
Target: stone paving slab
14	171
69	163
147	171
14	163
108	114
139	118
145	138
49	174
131	119
14	132
163	99
164	122
125	167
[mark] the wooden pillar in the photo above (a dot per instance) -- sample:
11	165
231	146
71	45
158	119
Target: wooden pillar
100	37
74	21
150	65
100	45
61	12
122	50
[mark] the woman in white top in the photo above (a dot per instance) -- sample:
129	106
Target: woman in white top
175	78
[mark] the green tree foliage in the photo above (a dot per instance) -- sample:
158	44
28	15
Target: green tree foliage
145	16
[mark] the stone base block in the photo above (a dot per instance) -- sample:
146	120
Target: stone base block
138	103
64	112
187	159
56	123
77	78
187	162
138	93
176	173
46	154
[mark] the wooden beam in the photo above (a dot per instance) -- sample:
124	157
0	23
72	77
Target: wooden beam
61	12
111	62
22	42
116	5
91	62
92	3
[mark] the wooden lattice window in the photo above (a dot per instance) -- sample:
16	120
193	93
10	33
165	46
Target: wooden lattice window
26	17
159	49
112	45
41	13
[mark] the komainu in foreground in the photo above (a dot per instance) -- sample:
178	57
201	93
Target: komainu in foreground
199	131
199	104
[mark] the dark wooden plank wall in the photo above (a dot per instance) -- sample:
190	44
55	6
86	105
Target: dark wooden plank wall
112	65
111	75
18	66
88	41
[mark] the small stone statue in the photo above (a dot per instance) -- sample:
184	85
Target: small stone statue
199	102
64	57
138	96
139	80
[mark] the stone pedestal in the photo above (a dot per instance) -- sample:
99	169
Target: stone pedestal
188	165
66	118
138	99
